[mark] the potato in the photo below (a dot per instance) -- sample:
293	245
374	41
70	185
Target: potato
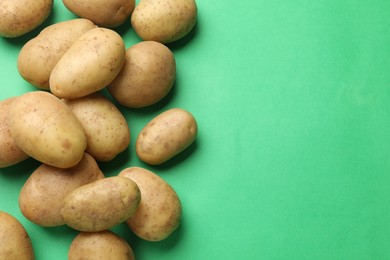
147	76
100	245
166	135
15	243
22	16
104	13
101	205
39	55
10	153
41	197
89	65
46	129
159	212
104	125
164	21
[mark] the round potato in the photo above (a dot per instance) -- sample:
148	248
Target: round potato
159	212
164	21
100	245
147	76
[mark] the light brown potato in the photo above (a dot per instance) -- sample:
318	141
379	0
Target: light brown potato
164	21
41	197
101	205
46	129
166	135
159	212
15	243
105	13
89	65
104	125
22	16
100	245
147	76
39	55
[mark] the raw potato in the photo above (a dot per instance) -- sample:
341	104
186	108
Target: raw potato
105	13
159	212
41	198
164	21
15	243
46	129
89	65
39	55
166	135
22	16
147	76
104	125
101	205
10	153
100	245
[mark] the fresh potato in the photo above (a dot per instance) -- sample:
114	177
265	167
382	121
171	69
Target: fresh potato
41	197
101	205
100	245
104	13
46	129
15	243
39	55
159	212
89	65
104	125
22	16
147	76
164	21
166	135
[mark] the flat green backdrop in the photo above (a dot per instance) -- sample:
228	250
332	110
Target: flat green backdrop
292	99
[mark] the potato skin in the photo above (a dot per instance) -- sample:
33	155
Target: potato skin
147	76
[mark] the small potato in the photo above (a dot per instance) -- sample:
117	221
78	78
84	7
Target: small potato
39	55
22	16
147	76
100	245
164	21
10	153
166	135
104	125
101	205
46	129
15	243
159	212
41	197
89	65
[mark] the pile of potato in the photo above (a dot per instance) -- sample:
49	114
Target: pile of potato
69	126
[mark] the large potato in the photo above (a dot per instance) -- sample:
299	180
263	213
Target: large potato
147	76
46	129
159	212
39	55
89	65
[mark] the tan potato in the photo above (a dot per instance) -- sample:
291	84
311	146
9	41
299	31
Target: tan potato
89	65
39	55
164	21
101	205
147	76
41	197
46	129
105	13
100	245
166	135
22	16
159	212
104	125
15	243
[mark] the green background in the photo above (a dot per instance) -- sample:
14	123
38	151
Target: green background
292	100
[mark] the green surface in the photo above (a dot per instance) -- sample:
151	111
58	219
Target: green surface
292	100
